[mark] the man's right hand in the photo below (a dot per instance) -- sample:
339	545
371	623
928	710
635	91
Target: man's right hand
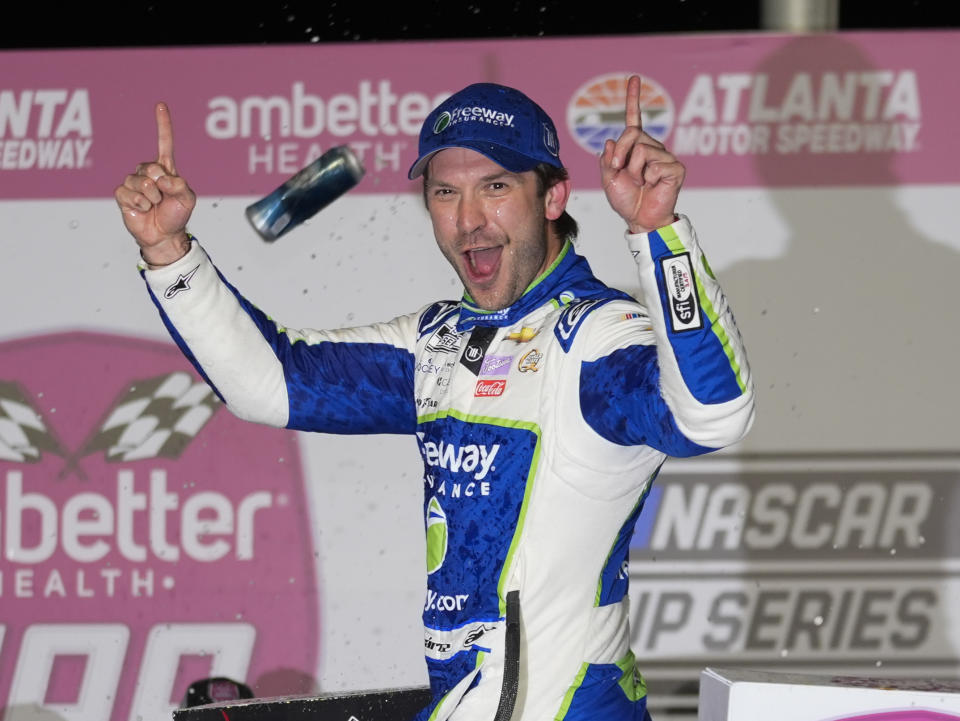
156	203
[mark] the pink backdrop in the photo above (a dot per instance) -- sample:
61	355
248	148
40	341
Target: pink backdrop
733	108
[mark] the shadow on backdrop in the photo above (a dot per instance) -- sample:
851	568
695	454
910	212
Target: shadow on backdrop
854	354
849	332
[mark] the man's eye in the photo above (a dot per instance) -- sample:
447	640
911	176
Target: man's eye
498	186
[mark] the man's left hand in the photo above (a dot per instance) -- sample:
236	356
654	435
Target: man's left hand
640	177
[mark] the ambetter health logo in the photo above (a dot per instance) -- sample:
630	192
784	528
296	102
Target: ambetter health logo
148	538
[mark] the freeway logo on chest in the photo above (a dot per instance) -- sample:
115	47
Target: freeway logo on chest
454	458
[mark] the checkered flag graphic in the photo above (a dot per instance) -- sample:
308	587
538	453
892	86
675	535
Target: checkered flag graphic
23	434
157	418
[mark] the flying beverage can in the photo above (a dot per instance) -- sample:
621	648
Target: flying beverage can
305	194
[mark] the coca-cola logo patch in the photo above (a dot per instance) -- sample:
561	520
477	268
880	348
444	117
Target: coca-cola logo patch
490	388
149	538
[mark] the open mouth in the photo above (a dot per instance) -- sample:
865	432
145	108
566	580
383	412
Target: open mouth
482	263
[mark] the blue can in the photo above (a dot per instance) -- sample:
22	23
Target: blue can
305	194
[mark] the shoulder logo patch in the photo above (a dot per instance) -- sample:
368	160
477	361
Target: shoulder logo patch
435	316
572	317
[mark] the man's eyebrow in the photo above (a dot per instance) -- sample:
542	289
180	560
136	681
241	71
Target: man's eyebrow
499	175
435	183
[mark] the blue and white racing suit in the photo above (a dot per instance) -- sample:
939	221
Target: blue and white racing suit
541	426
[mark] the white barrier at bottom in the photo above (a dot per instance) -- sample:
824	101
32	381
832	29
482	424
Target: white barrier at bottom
748	695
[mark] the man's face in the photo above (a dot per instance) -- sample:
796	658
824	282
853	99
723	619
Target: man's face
491	224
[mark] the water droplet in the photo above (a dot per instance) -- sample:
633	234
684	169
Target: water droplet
818	621
783	653
816	309
879	664
893	551
74	224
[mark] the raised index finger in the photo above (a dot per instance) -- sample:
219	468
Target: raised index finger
633	103
165	138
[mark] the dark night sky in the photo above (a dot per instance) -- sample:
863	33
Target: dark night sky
177	22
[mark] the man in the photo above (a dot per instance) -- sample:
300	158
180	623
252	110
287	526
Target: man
544	402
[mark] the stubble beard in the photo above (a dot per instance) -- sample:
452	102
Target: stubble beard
527	261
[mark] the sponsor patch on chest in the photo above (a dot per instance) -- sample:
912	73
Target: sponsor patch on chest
487	388
496	365
530	361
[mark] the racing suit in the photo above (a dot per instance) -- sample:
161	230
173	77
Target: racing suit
541	427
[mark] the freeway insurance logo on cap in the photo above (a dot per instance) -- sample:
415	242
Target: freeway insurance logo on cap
596	110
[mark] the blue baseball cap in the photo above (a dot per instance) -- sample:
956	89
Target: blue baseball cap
497	121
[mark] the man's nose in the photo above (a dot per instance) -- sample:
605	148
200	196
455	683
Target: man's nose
470	214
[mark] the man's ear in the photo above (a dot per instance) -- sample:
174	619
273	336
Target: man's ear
555	199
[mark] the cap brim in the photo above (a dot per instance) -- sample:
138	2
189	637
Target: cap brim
506	158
